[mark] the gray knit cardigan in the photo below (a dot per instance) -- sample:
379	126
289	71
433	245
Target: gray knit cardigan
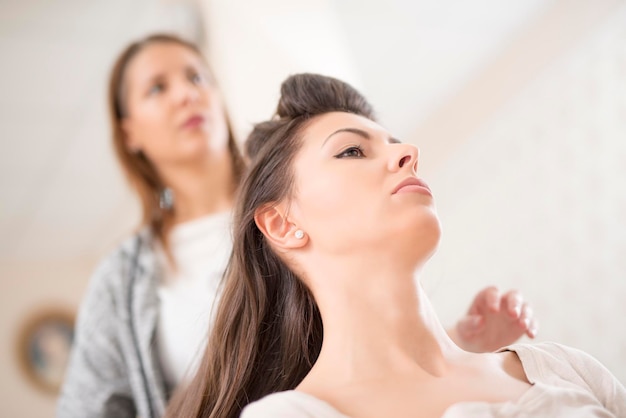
113	369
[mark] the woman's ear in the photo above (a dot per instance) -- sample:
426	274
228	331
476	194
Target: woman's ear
271	219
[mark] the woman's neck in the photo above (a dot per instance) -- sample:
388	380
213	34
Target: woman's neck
385	352
377	321
201	188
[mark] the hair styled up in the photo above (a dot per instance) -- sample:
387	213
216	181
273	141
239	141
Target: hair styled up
267	332
139	170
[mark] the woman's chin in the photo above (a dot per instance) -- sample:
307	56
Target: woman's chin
424	241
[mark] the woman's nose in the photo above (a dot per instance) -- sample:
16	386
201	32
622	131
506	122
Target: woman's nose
187	93
404	155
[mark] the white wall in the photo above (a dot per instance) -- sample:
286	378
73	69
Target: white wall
28	288
536	199
254	46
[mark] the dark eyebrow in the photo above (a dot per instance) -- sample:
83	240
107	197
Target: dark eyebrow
187	69
360	133
356	131
154	78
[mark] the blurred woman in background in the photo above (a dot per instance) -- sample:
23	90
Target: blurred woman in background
144	318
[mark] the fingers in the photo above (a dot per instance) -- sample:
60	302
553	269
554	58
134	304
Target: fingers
533	328
487	299
492	298
513	304
527	321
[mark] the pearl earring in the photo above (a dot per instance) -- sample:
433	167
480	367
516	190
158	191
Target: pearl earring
299	234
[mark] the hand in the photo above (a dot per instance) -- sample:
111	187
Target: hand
494	321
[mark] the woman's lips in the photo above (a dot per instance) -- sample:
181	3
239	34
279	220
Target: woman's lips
412	185
193	122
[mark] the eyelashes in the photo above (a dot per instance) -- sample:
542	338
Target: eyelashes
155	89
352	152
196	78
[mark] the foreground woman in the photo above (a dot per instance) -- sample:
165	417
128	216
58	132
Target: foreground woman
321	303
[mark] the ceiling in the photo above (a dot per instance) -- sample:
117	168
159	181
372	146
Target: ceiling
62	195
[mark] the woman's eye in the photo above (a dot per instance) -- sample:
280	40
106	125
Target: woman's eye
195	78
352	152
157	88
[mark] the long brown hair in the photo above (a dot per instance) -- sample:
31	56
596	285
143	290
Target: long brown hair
139	170
267	332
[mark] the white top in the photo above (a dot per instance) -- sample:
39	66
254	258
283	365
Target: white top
187	296
566	382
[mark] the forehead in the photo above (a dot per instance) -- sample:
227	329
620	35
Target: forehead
161	58
324	125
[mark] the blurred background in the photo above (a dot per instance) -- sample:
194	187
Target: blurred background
518	107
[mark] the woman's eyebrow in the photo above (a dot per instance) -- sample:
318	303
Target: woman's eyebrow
150	79
361	133
356	131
